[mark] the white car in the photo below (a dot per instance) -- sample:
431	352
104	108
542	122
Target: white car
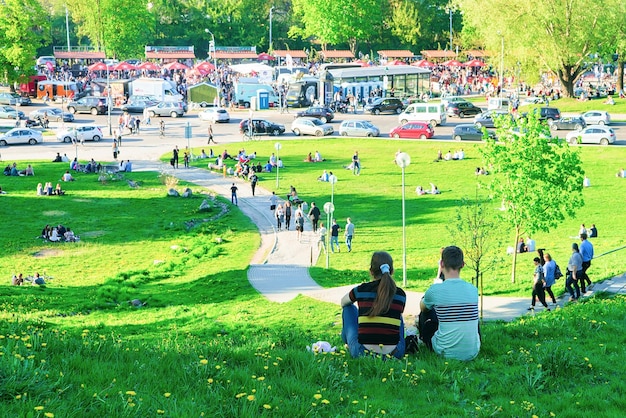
214	114
358	128
592	134
311	126
21	136
596	117
80	133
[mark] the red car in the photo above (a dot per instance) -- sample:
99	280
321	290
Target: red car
419	130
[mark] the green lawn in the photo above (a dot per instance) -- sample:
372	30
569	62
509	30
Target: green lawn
206	344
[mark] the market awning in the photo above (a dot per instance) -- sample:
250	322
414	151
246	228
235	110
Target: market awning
396	53
337	53
224	55
96	55
174	55
435	53
282	53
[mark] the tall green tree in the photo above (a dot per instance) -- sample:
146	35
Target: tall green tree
553	35
337	22
23	29
538	179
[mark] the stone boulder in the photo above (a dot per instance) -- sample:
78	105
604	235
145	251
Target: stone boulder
204	206
187	192
173	193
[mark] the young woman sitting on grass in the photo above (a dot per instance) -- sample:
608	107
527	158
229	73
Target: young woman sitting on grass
376	326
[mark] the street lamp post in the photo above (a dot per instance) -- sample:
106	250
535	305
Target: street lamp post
329	208
332	179
278	146
108	99
501	65
271	14
450	12
217	77
403	160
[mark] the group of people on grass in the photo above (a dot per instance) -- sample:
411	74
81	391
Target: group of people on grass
19	280
449	156
310	158
433	190
58	233
12	170
47	190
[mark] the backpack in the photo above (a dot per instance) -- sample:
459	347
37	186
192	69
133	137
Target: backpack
557	272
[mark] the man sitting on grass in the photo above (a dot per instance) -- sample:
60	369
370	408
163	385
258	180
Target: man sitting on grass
448	319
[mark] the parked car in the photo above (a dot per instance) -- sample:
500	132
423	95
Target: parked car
596	117
173	109
448	100
592	134
311	126
358	128
570	124
549	114
262	127
486	119
21	136
80	133
468	131
89	104
14	99
384	105
323	113
54	114
138	105
8	112
462	109
214	114
420	130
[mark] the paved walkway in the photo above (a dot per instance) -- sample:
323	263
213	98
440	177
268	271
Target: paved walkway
279	268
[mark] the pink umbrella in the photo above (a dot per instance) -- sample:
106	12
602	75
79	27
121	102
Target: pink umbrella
98	66
474	63
423	64
362	63
264	56
452	63
124	66
148	66
396	62
204	67
176	66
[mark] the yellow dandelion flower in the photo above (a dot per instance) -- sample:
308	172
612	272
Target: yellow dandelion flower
313	404
590	366
160	411
267	406
587	359
251	397
512	402
217	367
240	395
423	371
48	415
382	411
18	396
355	402
325	401
318	396
210	380
167	394
261	378
364	396
204	361
552	414
384	379
535	416
39	408
131	392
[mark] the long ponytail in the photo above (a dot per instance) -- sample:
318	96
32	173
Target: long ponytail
381	268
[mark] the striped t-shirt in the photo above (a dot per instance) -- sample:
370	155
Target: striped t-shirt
385	328
456	304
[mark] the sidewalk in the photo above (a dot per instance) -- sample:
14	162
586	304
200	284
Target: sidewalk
279	268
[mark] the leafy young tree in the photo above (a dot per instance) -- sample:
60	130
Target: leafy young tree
23	29
538	179
552	35
405	22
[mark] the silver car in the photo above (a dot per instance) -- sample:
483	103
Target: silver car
596	117
311	126
21	136
593	134
173	109
358	128
80	133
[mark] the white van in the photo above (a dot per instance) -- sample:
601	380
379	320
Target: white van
432	112
498	103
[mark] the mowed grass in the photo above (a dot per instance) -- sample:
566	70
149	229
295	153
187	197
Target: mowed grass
373	201
206	344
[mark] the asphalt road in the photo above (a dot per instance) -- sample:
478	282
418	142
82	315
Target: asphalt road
149	145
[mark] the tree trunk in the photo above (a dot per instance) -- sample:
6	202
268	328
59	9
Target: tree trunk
620	74
517	235
568	74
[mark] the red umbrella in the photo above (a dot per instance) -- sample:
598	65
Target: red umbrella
396	62
98	66
362	63
264	56
474	63
148	66
423	64
204	67
452	63
124	66
176	66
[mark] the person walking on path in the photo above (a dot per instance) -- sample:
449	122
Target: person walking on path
186	159
273	201
210	132
322	237
448	318
349	233
549	269
116	150
356	164
175	156
279	213
586	251
253	181
299	224
574	269
287	215
314	216
233	195
334	236
538	286
376	326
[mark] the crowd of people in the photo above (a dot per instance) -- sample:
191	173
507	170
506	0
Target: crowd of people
58	233
12	170
20	280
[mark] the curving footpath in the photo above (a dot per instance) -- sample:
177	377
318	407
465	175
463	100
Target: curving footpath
279	268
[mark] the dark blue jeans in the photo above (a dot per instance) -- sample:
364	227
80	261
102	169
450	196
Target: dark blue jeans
350	333
569	281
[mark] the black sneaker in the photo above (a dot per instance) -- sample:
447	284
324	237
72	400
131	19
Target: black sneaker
532	308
